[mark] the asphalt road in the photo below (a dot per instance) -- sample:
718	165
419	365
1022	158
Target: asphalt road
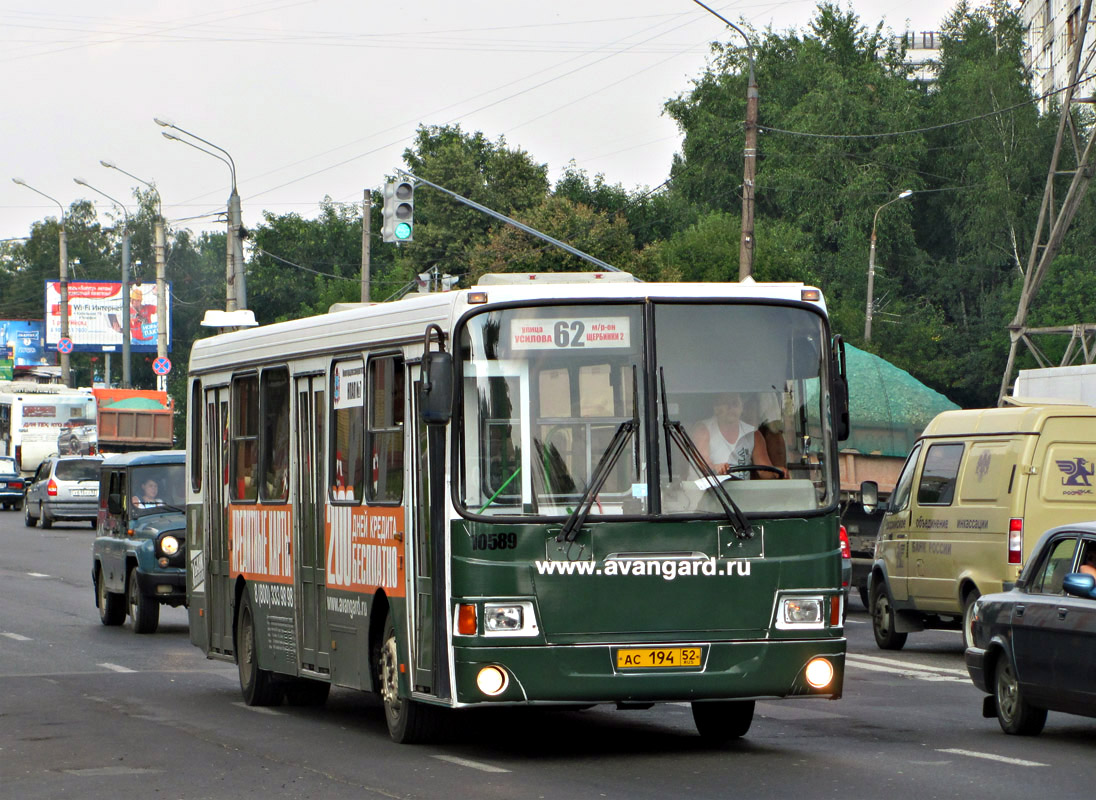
93	712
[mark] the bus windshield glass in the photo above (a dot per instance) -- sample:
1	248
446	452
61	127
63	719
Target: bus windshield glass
553	397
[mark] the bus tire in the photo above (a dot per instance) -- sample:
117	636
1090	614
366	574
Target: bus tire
144	610
258	686
308	693
723	720
409	721
112	607
1015	715
882	620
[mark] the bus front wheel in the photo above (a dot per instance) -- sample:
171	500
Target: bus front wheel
257	685
409	722
723	720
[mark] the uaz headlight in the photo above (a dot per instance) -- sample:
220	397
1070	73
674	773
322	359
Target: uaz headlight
169	545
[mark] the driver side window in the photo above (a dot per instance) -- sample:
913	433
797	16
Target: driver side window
1059	561
900	499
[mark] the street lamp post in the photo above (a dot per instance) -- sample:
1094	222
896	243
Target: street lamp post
871	263
125	315
160	247
66	375
236	289
749	167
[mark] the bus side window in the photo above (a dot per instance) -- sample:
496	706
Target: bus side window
384	443
275	434
245	438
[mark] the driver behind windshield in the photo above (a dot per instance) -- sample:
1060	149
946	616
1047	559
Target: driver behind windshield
726	441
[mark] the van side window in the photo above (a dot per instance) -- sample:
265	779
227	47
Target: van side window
900	499
937	487
1059	561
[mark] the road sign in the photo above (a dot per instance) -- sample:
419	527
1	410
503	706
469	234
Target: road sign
162	365
64	345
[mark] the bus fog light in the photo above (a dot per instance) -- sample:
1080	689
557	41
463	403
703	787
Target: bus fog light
492	680
802	610
819	673
502	618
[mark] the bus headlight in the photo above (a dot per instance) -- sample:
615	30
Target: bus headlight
502	618
819	673
492	680
801	611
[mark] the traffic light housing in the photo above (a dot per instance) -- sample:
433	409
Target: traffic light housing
399	212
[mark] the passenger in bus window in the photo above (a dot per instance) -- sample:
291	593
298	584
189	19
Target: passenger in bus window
726	441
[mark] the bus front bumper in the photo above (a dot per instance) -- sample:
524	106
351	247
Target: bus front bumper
589	673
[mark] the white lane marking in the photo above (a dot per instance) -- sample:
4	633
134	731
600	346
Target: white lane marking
464	762
110	772
992	757
38	574
260	710
17	637
920	675
856	622
116	667
898	663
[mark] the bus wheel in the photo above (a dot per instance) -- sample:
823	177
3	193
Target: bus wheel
723	720
1014	713
257	685
307	692
882	620
112	609
144	610
409	722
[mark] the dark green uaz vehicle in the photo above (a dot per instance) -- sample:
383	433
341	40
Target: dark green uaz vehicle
139	554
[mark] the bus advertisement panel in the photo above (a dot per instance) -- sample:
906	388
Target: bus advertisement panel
36	423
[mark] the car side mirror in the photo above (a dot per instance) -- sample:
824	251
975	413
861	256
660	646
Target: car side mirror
1080	584
869	496
114	503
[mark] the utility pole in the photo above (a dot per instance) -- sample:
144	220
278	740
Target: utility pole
367	224
161	296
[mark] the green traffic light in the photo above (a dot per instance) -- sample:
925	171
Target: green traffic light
402	231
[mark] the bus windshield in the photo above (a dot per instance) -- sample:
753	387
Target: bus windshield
546	390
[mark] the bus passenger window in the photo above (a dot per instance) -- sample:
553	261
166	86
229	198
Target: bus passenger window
245	438
275	438
347	431
384	442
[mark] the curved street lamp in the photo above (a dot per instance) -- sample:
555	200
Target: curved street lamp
871	262
66	376
124	316
236	283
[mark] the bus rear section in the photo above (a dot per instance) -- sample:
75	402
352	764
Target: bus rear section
550	498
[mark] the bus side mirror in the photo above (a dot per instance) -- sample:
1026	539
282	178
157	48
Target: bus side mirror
869	496
436	390
114	504
841	421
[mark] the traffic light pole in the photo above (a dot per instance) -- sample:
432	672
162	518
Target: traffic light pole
519	225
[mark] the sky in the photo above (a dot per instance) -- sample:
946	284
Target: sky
319	98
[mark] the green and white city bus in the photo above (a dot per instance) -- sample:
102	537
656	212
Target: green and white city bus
515	494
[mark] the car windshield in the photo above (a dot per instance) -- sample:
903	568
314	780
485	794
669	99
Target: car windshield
7	466
546	392
156	488
77	469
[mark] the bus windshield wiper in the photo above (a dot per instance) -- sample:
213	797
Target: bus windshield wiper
620	440
676	432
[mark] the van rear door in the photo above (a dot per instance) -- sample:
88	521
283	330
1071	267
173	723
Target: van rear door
1063	490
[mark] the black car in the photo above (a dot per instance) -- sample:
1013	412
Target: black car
1035	646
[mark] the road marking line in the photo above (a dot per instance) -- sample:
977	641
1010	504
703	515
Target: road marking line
918	673
38	574
116	667
260	709
992	757
464	762
894	662
17	637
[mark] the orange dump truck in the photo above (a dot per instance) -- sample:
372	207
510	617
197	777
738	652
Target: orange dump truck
134	419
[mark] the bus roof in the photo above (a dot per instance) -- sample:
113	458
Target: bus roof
348	325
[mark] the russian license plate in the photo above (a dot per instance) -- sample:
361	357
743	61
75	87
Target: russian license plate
84	492
656	657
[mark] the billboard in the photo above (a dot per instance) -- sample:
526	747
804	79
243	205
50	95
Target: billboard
96	316
22	344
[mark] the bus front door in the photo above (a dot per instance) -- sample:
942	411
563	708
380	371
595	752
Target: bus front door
310	593
218	580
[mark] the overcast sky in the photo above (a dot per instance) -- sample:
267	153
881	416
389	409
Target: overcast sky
320	97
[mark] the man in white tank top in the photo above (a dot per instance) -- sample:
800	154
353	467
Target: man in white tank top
727	442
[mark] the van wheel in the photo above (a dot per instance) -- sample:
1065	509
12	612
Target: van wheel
1014	713
723	720
882	620
968	616
112	608
409	721
257	685
144	610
